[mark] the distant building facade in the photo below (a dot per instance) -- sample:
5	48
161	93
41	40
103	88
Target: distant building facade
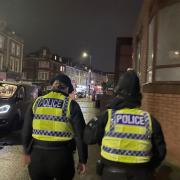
78	76
110	76
11	54
157	61
123	56
82	76
98	77
41	66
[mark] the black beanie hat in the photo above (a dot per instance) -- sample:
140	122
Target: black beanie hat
65	80
128	85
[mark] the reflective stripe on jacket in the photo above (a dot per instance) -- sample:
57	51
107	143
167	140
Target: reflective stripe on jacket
127	136
51	118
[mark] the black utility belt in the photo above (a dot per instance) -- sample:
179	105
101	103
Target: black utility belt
50	144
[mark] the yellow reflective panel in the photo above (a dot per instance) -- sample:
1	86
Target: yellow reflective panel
126	144
130	129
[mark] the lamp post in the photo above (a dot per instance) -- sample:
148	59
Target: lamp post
85	55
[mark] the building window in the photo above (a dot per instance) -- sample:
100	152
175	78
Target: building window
18	50
13	48
138	58
44	52
1	62
1	42
43	64
150	55
24	75
60	59
43	75
62	68
168	44
16	65
11	64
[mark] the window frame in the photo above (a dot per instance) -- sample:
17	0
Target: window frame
18	50
16	65
11	64
1	61
43	75
156	67
162	87
138	54
13	48
155	41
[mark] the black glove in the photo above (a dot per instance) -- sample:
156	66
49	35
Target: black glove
90	132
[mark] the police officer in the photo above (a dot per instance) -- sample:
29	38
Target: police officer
53	126
132	142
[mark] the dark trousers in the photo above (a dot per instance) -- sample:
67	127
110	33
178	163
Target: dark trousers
49	164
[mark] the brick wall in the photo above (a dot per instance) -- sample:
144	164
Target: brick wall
166	108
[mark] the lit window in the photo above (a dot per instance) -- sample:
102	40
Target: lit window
62	68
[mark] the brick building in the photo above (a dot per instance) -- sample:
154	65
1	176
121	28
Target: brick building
42	65
11	53
157	61
123	56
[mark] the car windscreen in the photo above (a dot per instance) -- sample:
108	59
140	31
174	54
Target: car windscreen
7	90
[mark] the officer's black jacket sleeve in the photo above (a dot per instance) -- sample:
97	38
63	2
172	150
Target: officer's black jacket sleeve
78	124
27	130
158	144
95	129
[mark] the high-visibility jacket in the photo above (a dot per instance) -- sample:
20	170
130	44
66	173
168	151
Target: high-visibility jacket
51	118
127	137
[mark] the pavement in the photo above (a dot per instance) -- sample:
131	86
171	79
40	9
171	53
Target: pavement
12	167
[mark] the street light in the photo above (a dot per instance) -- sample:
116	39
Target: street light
85	55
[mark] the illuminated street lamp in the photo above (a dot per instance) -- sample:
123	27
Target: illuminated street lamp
85	55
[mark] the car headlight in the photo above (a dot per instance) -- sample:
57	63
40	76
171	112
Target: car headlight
4	108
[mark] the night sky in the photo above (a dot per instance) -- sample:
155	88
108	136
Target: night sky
68	27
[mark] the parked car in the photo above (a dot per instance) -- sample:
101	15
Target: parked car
14	100
81	94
